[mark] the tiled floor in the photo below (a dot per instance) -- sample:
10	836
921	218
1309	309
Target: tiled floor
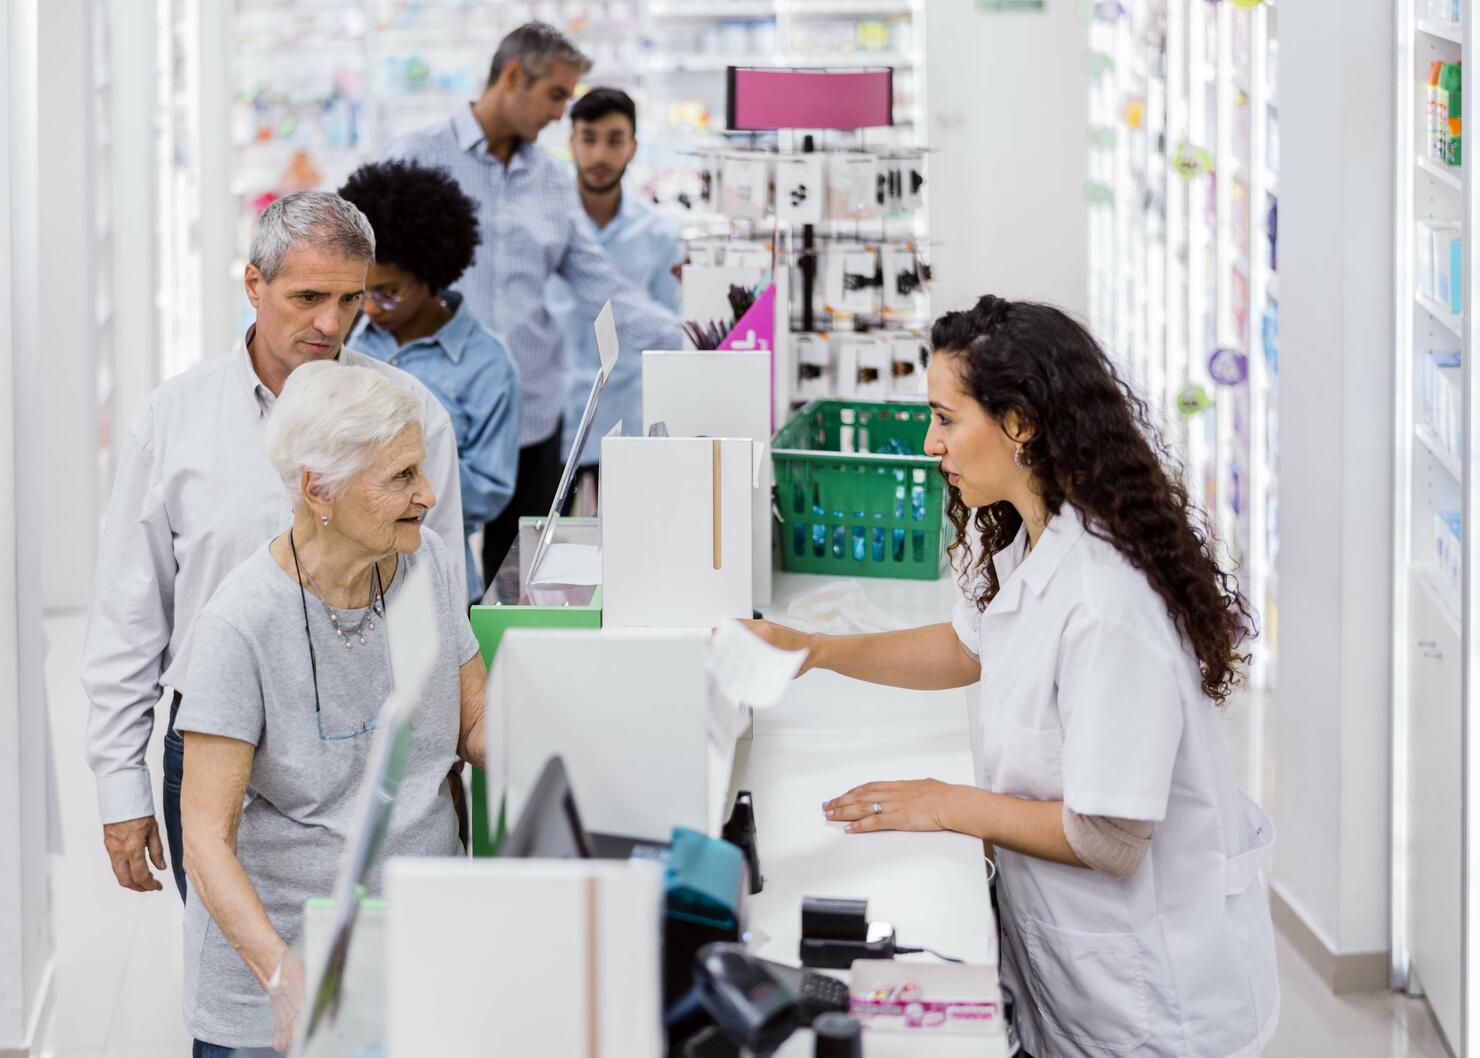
119	965
118	962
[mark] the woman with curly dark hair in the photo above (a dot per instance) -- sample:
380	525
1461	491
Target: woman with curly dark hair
426	230
1104	634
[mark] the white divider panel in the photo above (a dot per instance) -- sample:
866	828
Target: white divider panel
676	531
627	710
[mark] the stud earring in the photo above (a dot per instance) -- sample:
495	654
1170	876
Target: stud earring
325	519
1018	459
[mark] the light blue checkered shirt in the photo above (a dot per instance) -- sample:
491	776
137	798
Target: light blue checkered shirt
527	215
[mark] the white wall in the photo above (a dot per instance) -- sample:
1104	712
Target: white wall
26	942
1329	721
135	215
1009	116
68	305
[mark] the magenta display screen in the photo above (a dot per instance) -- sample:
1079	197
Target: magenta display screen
809	99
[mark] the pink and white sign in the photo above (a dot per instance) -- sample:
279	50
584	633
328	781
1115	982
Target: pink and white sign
810	99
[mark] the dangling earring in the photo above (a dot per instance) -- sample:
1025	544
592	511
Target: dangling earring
1018	460
325	520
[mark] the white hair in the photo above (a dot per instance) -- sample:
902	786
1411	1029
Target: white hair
318	218
332	420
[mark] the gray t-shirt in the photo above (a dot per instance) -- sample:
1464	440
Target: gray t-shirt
249	678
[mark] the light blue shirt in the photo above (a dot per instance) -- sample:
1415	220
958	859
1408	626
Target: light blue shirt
473	376
527	217
644	245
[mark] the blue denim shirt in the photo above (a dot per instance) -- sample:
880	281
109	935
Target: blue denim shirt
644	245
472	374
527	212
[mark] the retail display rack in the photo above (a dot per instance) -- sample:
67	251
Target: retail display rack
1434	561
1184	157
837	225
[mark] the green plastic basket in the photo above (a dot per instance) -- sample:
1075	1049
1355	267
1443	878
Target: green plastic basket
869	513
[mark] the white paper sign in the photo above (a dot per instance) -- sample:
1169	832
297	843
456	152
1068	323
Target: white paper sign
606	339
571	564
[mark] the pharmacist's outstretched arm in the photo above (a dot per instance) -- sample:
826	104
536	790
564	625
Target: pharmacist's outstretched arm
922	659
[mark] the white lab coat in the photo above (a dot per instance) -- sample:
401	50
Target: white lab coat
1090	696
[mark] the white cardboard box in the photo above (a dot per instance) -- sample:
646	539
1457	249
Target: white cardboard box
628	710
676	531
719	394
527	957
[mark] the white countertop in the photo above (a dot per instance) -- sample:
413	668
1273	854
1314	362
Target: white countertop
829	735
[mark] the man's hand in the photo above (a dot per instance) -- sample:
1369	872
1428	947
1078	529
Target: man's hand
127	843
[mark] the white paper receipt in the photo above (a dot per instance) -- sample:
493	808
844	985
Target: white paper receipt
748	670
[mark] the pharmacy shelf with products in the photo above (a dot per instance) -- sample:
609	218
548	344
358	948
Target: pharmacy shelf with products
1433	560
1183	156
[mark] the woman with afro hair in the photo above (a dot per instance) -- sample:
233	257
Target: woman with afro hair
426	230
1104	635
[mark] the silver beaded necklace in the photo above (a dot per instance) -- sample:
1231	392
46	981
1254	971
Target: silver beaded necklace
373	609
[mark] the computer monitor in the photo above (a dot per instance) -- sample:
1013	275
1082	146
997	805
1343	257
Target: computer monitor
550	827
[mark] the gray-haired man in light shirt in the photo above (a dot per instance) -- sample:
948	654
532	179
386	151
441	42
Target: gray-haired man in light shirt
195	495
534	227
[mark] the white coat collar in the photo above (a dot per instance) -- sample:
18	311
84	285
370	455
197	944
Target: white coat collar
1036	569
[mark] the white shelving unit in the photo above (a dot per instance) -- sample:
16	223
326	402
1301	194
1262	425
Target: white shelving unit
1432	640
1183	266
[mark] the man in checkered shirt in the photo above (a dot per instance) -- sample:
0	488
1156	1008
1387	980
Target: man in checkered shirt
528	215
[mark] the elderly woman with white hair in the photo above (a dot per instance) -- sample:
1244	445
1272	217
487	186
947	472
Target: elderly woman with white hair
289	666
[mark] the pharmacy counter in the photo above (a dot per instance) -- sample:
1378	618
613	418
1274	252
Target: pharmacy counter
829	735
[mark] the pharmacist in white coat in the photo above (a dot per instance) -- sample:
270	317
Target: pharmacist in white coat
1105	637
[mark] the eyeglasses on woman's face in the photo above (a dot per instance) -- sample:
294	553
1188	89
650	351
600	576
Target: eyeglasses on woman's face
385	300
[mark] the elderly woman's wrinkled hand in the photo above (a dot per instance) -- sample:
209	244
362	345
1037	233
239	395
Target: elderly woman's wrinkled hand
285	988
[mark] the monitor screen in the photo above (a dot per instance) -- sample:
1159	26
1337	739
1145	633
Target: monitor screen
550	826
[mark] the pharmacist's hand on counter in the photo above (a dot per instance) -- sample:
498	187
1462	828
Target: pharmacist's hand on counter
784	638
917	804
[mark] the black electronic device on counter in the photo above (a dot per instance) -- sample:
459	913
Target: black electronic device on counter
740	831
741	1000
837	1036
744	998
817	994
836	931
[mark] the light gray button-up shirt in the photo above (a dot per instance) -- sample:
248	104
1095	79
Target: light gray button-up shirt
194	496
